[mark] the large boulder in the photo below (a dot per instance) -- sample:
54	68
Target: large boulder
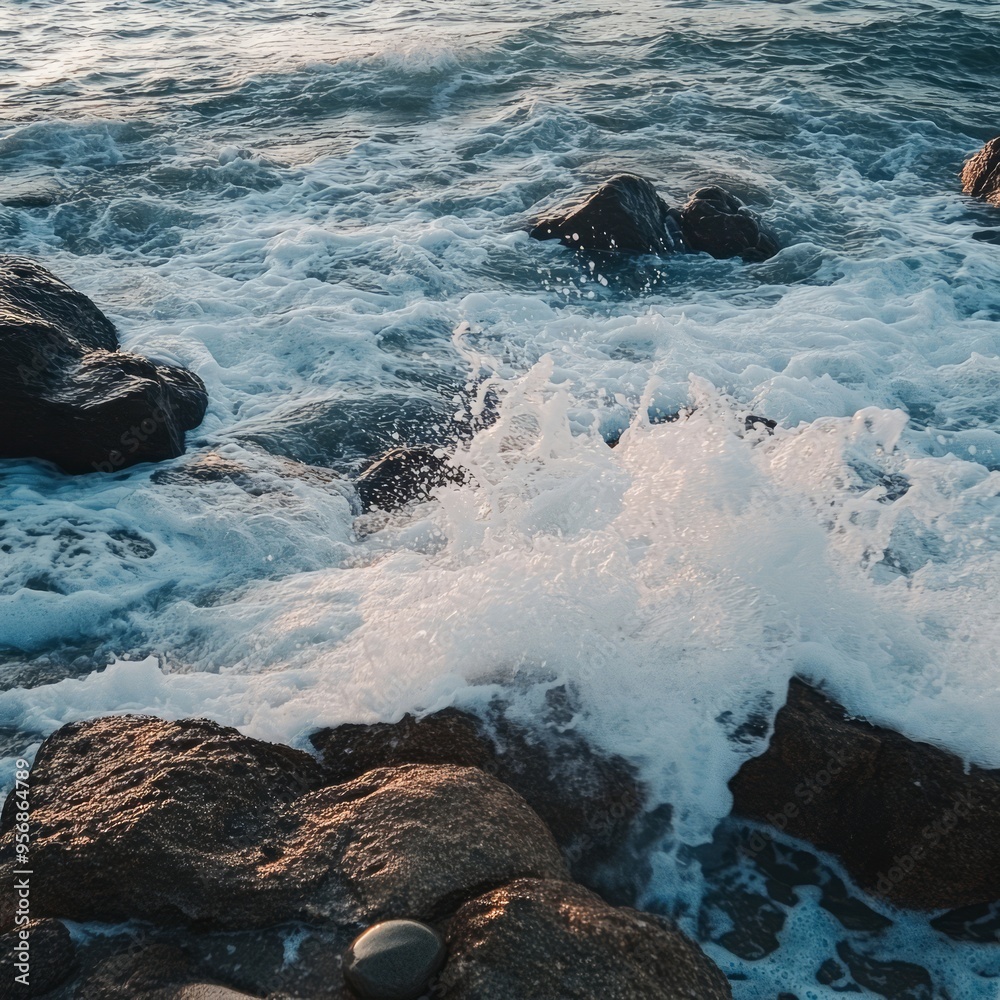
589	800
717	223
193	823
539	940
69	395
981	173
908	820
624	214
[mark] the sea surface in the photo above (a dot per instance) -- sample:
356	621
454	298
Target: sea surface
320	208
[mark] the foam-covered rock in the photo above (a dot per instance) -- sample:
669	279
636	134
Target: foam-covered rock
981	173
907	819
538	940
403	475
68	395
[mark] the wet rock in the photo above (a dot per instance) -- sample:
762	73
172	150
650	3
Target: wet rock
394	960
981	173
715	222
413	841
43	951
537	940
344	432
588	800
624	214
155	972
404	475
894	980
68	395
137	817
193	823
906	818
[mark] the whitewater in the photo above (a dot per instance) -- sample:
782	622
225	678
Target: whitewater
320	209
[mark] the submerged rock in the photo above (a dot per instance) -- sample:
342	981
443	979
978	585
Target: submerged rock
394	960
981	173
716	223
404	475
68	395
538	940
624	214
907	819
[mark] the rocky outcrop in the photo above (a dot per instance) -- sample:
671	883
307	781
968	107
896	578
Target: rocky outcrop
907	819
625	214
192	823
716	223
68	395
589	801
981	173
538	940
238	854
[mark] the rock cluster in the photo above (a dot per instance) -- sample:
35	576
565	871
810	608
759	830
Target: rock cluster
69	395
202	831
625	214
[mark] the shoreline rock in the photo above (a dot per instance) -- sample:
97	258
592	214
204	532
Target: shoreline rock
907	819
221	843
68	395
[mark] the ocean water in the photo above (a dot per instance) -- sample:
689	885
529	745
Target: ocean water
319	208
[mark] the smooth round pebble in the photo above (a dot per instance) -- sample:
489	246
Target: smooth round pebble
393	960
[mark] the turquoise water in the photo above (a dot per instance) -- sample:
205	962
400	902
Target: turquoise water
319	208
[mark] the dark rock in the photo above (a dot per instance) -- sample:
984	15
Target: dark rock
981	173
715	222
906	818
68	395
538	940
47	950
344	432
155	972
898	980
394	960
404	475
624	214
980	923
588	800
193	823
752	422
